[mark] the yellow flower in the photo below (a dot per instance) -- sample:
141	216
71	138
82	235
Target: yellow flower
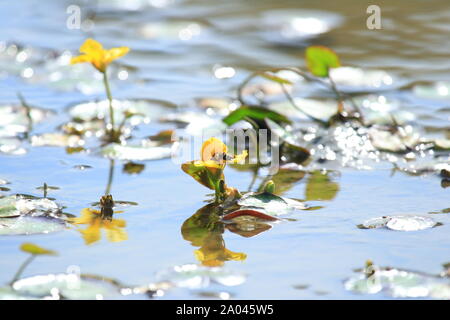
215	150
100	58
95	221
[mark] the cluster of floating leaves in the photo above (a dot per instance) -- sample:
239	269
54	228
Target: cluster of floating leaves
399	283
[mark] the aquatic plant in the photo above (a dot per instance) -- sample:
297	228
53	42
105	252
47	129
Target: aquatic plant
34	251
209	170
94	53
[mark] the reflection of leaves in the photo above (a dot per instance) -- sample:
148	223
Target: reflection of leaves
204	230
320	187
320	59
36	250
285	179
133	168
257	113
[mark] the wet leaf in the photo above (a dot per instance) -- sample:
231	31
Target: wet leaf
17	205
68	286
320	59
135	152
36	250
269	204
30	225
319	186
143	110
56	140
192	276
399	283
258	113
204	172
400	223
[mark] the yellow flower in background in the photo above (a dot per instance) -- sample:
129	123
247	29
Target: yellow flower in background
100	58
95	222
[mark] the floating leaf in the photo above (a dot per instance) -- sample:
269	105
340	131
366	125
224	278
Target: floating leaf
36	250
56	140
399	283
21	205
258	113
320	187
64	286
271	204
30	225
355	80
135	152
193	276
141	110
400	223
404	139
320	59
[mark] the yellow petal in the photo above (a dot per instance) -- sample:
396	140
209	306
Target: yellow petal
240	158
114	53
235	256
90	46
212	146
80	59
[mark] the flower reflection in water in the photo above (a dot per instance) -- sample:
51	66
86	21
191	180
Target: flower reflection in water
96	220
204	230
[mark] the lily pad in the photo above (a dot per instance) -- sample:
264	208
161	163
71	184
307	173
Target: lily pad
399	283
30	225
400	223
135	152
56	140
14	119
401	140
18	205
194	276
64	286
142	111
270	204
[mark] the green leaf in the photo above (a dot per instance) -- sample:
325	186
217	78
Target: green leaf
36	250
274	78
203	173
320	59
258	113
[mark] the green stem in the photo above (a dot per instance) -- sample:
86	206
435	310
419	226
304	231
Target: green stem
21	269
110	177
108	94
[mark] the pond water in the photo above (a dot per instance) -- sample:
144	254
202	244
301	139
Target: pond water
183	51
